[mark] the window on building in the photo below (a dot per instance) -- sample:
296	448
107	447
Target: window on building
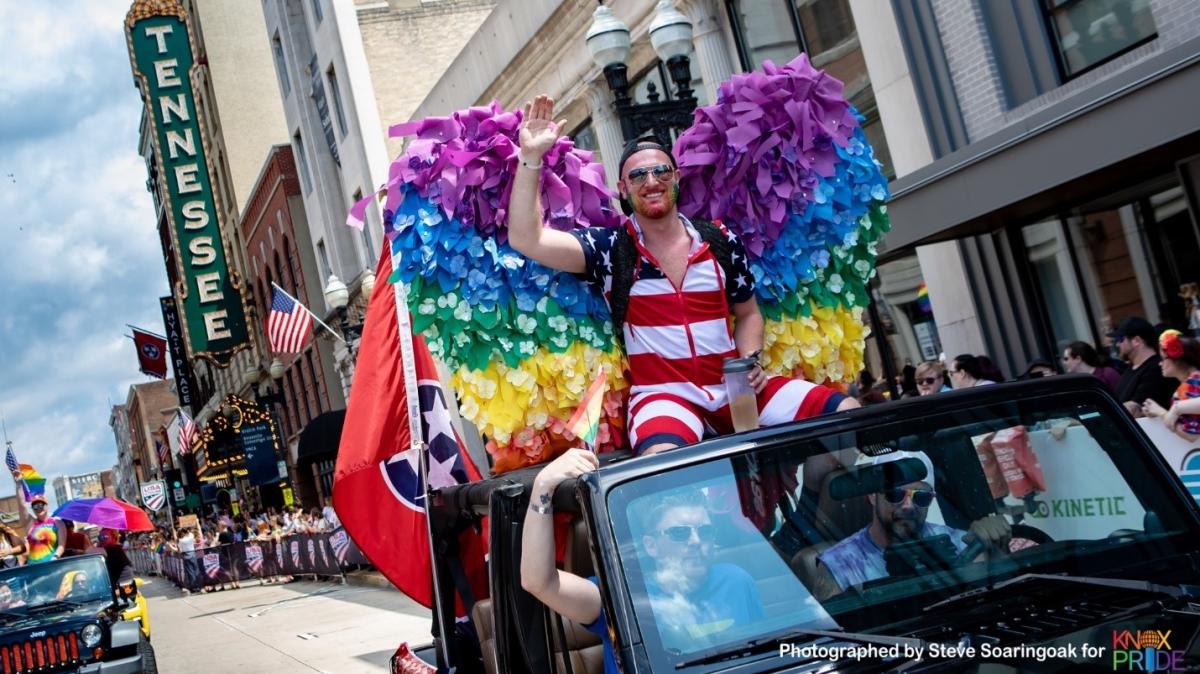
296	401
316	386
279	266
765	31
906	334
323	260
824	29
302	161
1088	33
584	136
281	64
336	95
290	263
368	244
318	15
658	75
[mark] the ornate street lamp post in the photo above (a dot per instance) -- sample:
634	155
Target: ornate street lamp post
337	297
671	36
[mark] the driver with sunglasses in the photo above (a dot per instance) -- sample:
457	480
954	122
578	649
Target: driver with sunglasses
676	326
898	514
694	600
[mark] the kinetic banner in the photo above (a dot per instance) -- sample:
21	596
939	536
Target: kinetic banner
160	50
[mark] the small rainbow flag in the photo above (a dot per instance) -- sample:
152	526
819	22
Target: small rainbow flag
585	422
923	300
35	484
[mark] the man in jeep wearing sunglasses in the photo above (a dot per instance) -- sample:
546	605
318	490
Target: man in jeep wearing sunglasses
899	514
693	599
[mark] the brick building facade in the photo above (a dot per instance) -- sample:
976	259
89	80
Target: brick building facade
279	250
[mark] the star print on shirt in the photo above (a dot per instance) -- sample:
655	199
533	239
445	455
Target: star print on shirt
742	282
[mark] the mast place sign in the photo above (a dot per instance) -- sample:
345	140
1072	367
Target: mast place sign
210	303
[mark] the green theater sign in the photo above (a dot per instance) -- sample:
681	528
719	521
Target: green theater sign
209	300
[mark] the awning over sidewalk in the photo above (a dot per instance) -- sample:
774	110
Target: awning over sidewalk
1142	118
321	437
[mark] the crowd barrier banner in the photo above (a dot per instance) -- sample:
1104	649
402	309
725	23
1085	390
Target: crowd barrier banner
326	554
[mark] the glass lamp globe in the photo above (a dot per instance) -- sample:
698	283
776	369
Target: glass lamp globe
608	38
670	32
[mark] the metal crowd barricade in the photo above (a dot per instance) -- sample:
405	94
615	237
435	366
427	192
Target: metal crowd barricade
317	555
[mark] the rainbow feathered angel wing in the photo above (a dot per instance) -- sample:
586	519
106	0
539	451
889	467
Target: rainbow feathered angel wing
783	162
780	159
522	341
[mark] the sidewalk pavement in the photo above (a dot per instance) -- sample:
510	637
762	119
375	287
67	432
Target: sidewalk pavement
296	627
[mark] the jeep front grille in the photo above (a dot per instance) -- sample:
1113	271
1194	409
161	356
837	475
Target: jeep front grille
44	654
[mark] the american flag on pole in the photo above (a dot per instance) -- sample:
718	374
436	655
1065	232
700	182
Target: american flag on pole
10	459
187	432
289	323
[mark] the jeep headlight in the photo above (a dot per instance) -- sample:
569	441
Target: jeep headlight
91	635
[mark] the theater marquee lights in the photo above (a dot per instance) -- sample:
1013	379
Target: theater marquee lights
209	296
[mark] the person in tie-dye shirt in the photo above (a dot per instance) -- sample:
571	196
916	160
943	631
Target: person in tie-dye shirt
47	537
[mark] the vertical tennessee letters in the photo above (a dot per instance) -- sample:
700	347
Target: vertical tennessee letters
187	178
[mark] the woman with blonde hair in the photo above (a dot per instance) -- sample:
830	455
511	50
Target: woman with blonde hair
931	378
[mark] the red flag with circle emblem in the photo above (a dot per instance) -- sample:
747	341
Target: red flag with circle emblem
378	492
151	352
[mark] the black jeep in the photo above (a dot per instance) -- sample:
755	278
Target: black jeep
60	616
1101	572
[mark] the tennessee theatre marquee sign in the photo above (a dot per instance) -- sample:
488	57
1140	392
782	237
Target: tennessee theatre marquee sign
210	301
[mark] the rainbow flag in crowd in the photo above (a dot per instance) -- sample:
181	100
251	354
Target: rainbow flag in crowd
35	484
923	300
585	422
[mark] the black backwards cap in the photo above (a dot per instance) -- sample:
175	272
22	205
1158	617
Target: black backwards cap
644	143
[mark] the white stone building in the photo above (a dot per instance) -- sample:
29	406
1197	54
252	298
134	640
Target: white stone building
345	71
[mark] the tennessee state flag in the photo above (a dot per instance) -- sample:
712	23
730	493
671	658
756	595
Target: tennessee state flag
151	352
378	492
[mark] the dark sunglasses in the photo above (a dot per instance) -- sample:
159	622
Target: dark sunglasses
928	381
662	173
682	533
920	497
37	504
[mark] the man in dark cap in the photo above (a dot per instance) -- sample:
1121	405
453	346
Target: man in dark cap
1137	344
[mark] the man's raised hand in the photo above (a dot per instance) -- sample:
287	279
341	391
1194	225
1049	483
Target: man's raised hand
539	131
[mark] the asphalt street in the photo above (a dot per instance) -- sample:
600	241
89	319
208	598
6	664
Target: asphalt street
298	627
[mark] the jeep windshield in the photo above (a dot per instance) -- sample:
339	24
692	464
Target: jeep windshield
66	583
864	528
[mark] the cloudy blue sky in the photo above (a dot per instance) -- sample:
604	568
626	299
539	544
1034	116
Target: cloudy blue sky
79	256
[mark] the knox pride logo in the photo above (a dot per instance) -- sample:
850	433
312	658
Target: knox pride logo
1144	651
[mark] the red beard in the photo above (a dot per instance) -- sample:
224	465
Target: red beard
659	208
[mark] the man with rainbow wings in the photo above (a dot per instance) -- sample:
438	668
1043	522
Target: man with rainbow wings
780	162
676	329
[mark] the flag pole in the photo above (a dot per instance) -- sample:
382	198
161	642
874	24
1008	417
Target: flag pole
152	334
310	312
417	442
